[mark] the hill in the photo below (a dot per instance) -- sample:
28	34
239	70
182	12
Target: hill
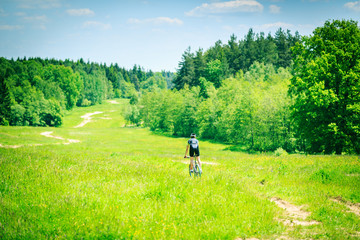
101	179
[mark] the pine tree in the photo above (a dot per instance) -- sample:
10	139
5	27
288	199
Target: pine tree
186	71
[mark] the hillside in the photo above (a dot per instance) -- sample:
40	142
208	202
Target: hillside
103	179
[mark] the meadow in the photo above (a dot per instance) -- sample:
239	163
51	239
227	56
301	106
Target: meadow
121	182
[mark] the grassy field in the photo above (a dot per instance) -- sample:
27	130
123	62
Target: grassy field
118	182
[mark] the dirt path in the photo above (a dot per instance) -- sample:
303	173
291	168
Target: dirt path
10	146
48	134
45	134
293	213
113	102
353	207
87	119
292	216
206	163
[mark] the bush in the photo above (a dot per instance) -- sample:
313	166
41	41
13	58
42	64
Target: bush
4	122
280	152
132	115
17	115
85	103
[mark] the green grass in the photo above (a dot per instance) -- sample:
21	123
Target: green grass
128	183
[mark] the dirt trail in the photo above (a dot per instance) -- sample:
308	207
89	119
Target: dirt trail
206	163
10	146
113	102
48	134
292	216
294	213
353	207
45	134
87	119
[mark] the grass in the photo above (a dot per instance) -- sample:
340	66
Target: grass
128	183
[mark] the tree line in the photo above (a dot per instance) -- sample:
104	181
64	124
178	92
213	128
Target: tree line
36	92
225	60
298	93
249	110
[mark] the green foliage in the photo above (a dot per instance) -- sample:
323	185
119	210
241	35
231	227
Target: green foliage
85	103
154	82
213	72
280	152
226	60
5	104
69	83
132	115
325	88
206	88
186	72
250	110
160	109
31	90
134	97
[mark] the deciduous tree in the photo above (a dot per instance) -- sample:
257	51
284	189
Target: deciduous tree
326	88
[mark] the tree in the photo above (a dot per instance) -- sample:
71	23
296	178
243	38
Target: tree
214	72
283	48
186	72
199	67
154	82
5	102
326	88
233	54
249	49
68	81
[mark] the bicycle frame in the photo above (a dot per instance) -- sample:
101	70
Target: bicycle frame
196	168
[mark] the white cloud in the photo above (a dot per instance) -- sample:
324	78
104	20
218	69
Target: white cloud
274	9
42	18
95	24
80	12
276	25
156	21
10	27
39	3
226	7
353	6
38	22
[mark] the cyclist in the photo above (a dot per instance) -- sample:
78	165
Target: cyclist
193	144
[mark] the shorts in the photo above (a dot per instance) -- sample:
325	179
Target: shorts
194	151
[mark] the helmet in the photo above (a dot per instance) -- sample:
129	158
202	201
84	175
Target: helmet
193	135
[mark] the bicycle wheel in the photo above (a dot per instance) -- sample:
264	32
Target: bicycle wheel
197	170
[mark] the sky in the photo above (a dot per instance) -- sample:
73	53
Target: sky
151	33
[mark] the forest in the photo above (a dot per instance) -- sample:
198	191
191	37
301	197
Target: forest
260	93
284	93
36	92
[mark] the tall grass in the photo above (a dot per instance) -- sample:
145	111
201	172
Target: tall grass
128	183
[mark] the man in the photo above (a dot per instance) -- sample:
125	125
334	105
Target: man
193	144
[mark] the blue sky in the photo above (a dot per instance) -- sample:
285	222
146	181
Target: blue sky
150	33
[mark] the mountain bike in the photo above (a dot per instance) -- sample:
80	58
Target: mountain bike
196	170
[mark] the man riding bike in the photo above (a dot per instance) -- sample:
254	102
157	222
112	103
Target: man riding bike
193	145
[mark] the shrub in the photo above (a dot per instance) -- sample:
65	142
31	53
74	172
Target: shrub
280	152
